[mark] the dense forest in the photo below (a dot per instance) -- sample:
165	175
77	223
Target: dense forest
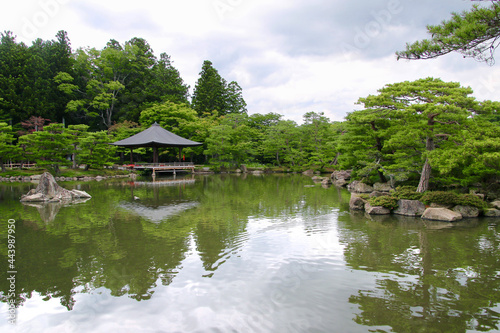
57	102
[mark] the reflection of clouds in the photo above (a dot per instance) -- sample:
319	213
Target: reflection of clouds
160	213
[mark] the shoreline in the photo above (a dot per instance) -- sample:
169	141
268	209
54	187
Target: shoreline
35	178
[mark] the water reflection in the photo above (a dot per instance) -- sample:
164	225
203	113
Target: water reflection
255	253
109	241
434	277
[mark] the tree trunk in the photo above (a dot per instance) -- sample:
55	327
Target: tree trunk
3	166
423	185
382	177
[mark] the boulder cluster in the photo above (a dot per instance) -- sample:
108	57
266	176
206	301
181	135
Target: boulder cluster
405	207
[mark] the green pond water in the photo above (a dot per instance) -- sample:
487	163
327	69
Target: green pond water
227	253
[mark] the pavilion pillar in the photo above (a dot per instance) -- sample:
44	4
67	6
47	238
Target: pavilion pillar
155	154
131	156
180	154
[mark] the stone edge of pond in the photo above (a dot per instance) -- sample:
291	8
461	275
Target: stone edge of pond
25	179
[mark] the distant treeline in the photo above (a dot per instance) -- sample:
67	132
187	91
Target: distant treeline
427	132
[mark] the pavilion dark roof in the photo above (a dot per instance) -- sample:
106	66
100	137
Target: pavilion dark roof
155	136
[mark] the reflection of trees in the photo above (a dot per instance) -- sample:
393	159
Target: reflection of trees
436	280
92	245
101	244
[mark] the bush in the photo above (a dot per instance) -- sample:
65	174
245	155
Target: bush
440	197
407	192
451	198
472	200
384	201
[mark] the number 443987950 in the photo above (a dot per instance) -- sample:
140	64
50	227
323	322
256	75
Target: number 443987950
11	239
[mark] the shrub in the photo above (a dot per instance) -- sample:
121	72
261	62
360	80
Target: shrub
384	201
451	198
363	196
407	192
471	200
440	197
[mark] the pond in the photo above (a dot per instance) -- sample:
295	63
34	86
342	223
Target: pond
248	253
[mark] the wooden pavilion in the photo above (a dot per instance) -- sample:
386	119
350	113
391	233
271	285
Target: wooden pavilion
155	137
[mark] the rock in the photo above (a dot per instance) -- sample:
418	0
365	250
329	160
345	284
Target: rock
343	175
480	195
81	194
36	177
308	172
356	203
441	214
49	191
243	168
37	197
378	194
496	204
326	181
410	208
466	211
492	212
382	187
376	210
359	187
317	179
340	182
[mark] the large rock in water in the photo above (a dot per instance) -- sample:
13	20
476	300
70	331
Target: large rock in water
466	211
49	191
441	214
376	210
357	203
410	208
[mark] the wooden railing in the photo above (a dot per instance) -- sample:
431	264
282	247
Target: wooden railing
17	165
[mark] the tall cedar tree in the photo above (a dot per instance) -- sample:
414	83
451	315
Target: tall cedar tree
212	94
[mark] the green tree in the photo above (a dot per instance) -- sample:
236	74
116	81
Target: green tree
278	142
76	134
431	117
26	77
166	82
234	102
212	93
233	141
209	91
96	151
319	138
362	145
49	147
7	148
474	33
477	157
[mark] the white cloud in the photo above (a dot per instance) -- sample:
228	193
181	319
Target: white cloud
290	57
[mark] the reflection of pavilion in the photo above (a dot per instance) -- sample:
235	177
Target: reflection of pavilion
161	213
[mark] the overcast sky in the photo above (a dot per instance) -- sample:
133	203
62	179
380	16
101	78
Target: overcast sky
289	56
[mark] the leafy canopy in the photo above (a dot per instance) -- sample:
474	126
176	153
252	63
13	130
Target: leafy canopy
474	34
